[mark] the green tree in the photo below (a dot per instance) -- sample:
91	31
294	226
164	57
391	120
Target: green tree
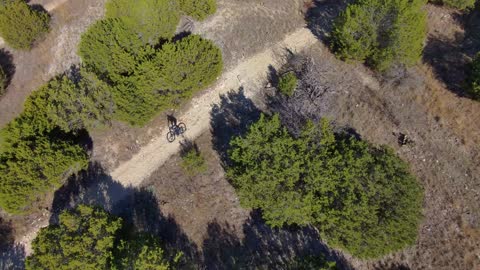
151	20
381	32
287	83
20	25
72	106
193	162
83	239
474	78
188	65
111	50
143	252
312	263
361	198
198	9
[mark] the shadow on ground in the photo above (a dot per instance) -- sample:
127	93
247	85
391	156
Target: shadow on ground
231	118
12	256
321	17
6	64
450	59
262	247
137	206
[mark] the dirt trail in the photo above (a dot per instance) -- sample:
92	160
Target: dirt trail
252	73
48	7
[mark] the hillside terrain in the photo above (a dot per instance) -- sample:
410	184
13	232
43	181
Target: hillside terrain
423	113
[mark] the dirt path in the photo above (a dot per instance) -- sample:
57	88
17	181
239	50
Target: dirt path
252	73
48	7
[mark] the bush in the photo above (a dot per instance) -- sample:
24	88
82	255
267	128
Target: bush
90	238
361	198
458	4
312	263
20	25
189	65
84	238
151	20
381	32
198	9
474	78
39	148
72	106
193	162
287	83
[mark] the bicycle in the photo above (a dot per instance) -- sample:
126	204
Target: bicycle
175	130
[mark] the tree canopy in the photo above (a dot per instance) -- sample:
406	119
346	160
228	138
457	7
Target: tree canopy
382	33
21	25
151	20
41	147
198	9
83	239
89	238
360	197
3	81
474	78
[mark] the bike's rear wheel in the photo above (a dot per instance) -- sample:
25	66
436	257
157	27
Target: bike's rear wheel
182	128
170	136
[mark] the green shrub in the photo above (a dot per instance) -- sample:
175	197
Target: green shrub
381	32
90	238
111	50
458	4
287	83
84	239
193	162
312	263
33	165
198	9
20	25
361	198
39	149
72	106
189	65
474	78
152	20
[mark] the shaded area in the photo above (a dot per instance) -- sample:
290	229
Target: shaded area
12	256
6	64
231	118
263	247
450	57
321	17
137	206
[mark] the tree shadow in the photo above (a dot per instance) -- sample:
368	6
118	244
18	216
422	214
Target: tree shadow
450	59
262	247
6	63
12	255
321	17
137	206
231	118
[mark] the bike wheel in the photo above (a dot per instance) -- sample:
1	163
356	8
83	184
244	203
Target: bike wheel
182	128
170	136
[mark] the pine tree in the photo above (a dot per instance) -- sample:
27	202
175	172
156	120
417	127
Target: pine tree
382	33
20	25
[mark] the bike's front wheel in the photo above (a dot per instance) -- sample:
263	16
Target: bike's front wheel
170	136
182	128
